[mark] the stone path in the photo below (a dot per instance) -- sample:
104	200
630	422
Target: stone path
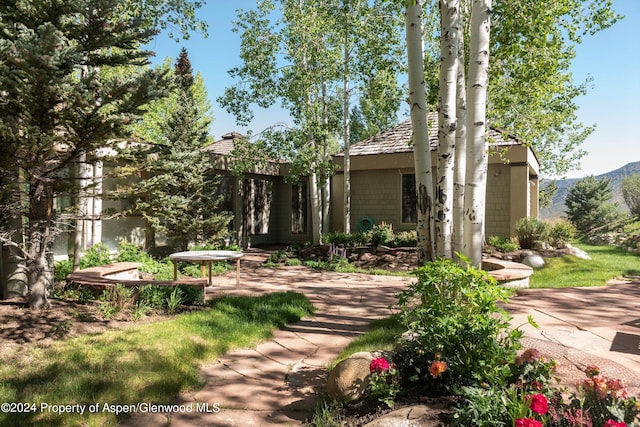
279	382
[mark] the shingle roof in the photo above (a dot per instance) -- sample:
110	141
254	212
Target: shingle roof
224	146
398	139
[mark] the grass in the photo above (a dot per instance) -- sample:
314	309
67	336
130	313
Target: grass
144	364
607	262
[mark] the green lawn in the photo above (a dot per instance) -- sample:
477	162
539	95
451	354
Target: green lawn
607	262
143	364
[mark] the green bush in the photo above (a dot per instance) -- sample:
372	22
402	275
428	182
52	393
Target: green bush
405	239
561	233
61	269
157	297
453	321
503	244
96	255
531	230
346	239
381	234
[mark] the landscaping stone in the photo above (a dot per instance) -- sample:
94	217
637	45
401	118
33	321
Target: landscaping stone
350	378
577	252
533	261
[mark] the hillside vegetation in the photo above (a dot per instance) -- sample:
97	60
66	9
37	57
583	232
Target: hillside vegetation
557	208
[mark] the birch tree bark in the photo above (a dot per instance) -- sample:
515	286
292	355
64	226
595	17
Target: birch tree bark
476	168
449	25
460	156
420	130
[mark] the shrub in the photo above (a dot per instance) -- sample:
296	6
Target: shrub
503	244
531	230
381	234
456	332
346	239
561	233
96	255
405	238
61	269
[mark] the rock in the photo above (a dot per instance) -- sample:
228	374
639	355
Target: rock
350	378
533	261
577	252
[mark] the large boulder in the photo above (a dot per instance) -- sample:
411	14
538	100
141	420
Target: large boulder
350	378
533	261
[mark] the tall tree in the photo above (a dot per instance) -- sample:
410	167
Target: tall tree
420	130
589	204
451	22
476	158
50	115
176	193
311	59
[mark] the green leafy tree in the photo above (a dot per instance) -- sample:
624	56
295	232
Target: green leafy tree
631	193
55	104
547	193
312	56
589	204
532	91
177	195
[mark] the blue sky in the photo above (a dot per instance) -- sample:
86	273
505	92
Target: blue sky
611	57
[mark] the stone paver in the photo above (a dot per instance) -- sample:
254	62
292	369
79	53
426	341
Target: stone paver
279	382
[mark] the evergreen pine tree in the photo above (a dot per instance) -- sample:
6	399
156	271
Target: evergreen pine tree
55	104
589	204
180	198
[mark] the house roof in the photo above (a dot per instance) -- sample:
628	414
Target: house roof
225	145
398	139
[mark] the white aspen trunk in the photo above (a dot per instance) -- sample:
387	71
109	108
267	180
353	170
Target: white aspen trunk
475	183
346	136
420	128
450	22
316	209
460	157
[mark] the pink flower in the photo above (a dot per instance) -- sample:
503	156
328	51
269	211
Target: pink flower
538	404
591	371
617	389
437	368
611	423
379	365
527	422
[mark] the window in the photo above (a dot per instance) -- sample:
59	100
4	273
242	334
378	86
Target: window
299	208
257	205
409	198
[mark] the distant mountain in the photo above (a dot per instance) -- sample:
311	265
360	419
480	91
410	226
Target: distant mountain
557	208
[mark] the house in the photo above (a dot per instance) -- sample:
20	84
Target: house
266	209
383	181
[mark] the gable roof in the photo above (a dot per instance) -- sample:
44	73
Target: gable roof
398	139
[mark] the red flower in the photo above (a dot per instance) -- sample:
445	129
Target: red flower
611	423
527	422
538	404
379	365
437	368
